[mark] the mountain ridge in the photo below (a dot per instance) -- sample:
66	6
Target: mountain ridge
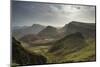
34	29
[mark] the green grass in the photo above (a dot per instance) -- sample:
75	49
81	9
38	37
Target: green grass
84	54
81	55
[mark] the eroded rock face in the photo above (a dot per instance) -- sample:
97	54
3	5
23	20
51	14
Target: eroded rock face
21	56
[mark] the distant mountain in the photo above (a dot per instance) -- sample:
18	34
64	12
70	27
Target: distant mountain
48	32
69	44
21	56
46	35
88	30
34	29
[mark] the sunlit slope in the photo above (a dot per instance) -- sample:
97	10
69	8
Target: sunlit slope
72	48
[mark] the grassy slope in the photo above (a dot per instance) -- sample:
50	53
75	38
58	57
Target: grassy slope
85	54
73	48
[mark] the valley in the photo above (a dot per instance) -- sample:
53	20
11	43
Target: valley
75	44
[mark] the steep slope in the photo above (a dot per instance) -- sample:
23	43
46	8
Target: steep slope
69	44
21	56
34	29
86	29
72	48
49	32
64	28
86	54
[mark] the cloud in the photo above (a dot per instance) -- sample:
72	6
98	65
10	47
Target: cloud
28	13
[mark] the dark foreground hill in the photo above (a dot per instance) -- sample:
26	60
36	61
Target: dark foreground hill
21	56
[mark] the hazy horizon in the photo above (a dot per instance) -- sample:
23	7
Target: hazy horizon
57	15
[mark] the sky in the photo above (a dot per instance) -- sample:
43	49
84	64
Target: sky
29	13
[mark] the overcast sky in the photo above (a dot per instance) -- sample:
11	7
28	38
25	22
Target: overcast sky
28	13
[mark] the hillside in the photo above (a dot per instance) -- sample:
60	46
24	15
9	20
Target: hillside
75	42
87	29
34	29
21	56
72	48
48	32
70	43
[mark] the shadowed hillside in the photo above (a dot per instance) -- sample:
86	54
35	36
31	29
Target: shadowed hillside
86	29
21	56
72	48
69	44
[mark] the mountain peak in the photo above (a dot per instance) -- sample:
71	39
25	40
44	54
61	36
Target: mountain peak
75	22
48	32
36	25
50	26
